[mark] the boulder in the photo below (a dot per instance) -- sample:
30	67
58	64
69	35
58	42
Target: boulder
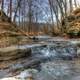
13	53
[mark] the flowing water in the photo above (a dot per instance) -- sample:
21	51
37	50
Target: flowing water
58	61
61	61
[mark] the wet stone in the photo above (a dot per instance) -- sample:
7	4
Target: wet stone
56	50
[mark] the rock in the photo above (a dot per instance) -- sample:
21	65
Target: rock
10	34
35	39
78	52
4	17
12	53
71	24
10	78
27	74
24	75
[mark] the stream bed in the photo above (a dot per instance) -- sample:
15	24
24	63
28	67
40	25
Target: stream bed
49	60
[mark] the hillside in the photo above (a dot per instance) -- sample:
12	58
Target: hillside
72	23
9	32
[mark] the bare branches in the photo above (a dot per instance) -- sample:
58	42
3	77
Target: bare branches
16	9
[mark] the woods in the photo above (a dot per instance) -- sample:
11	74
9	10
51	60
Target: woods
30	14
39	39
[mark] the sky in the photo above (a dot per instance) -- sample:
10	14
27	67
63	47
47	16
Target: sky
78	1
44	17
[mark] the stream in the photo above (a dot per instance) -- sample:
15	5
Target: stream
49	60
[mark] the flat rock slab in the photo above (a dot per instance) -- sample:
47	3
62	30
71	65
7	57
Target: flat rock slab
13	52
8	49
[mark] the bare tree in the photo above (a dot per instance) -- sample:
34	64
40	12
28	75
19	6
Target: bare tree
30	14
16	9
75	3
10	9
51	10
71	6
2	6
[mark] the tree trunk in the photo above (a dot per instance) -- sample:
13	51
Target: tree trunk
16	9
10	9
71	6
30	16
2	6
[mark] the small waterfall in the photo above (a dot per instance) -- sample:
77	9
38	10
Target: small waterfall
57	51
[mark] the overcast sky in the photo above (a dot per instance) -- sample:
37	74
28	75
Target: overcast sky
78	0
